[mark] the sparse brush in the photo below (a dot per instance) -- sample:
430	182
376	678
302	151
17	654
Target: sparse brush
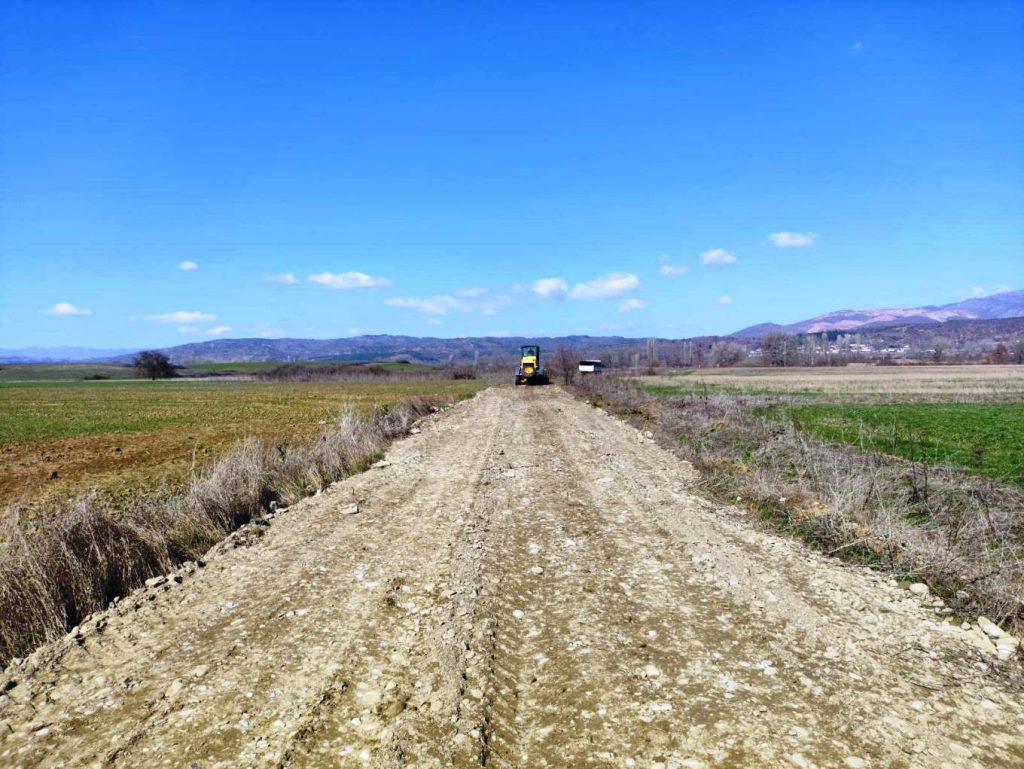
961	533
74	558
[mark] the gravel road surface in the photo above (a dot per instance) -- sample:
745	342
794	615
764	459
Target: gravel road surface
528	582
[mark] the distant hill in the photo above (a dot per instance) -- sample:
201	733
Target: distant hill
1009	304
378	347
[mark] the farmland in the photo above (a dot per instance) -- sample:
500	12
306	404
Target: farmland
967	416
963	384
58	437
987	438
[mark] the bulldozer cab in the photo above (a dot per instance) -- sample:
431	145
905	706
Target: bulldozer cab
530	371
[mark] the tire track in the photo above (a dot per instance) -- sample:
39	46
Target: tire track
528	584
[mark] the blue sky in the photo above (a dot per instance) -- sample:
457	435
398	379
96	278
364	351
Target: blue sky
452	169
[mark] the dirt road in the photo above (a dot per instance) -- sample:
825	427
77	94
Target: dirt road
527	583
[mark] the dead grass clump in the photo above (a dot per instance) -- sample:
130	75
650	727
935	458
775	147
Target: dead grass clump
75	557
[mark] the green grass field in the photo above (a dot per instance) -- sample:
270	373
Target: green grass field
986	438
75	372
56	372
132	431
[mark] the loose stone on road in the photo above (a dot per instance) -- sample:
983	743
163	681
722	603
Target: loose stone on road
525	581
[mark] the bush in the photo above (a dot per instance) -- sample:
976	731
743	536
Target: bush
463	372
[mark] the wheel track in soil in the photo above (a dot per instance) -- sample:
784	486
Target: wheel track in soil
529	583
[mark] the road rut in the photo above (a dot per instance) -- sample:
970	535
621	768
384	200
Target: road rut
529	582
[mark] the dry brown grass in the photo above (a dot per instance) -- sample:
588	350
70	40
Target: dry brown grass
948	383
962	534
60	566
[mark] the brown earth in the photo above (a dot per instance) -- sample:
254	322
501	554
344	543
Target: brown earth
120	463
529	582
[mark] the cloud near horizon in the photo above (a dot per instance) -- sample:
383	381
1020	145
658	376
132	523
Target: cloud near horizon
673	270
434	305
716	256
347	280
183	316
66	309
632	304
287	278
550	288
724	300
188	265
605	287
793	239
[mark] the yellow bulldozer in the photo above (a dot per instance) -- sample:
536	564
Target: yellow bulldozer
530	372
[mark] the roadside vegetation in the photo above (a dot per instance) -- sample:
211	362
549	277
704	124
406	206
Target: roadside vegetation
65	559
61	437
927	491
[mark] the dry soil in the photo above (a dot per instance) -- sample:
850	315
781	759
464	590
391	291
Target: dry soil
528	582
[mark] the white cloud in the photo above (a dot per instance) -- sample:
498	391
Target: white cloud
183	316
346	280
497	333
549	287
67	309
442	304
632	304
434	305
288	278
435	322
188	266
724	300
188	329
717	256
473	292
612	284
793	239
674	270
217	330
858	46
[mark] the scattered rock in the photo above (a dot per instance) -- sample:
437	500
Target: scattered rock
415	431
156	581
990	628
1006	647
351	509
919	589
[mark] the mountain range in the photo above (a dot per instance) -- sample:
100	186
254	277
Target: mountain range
1008	304
969	318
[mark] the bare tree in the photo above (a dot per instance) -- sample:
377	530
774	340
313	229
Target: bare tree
724	354
939	347
778	349
563	364
1000	354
